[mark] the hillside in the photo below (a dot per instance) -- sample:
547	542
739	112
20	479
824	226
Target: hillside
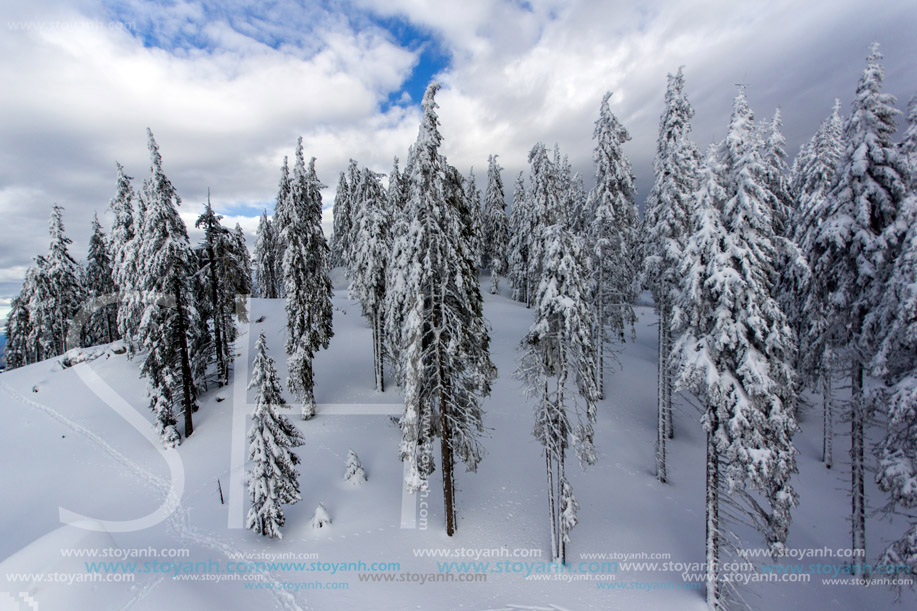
67	448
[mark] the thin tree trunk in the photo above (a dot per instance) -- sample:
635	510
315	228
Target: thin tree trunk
222	374
551	504
185	361
667	373
857	492
712	552
828	406
377	349
661	431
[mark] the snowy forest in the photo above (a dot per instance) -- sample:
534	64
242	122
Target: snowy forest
782	287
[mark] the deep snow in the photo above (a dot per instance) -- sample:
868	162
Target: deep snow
62	446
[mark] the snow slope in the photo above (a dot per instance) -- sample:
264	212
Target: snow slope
62	445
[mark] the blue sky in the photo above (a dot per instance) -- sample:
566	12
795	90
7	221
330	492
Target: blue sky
227	87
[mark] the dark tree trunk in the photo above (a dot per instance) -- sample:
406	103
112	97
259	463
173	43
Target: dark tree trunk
185	362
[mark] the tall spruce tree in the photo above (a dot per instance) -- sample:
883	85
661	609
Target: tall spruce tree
102	326
814	173
666	228
272	478
65	283
169	321
495	225
282	219
370	248
557	368
613	238
343	220
123	246
444	354
306	283
519	241
212	273
853	253
734	349
266	259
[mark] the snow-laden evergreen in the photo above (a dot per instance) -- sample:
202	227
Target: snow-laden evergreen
813	173
854	248
444	358
65	284
370	245
170	322
521	224
495	225
265	259
321	518
474	205
666	227
354	473
734	350
908	146
282	219
102	326
613	235
307	286
776	172
272	478
123	246
558	355
343	220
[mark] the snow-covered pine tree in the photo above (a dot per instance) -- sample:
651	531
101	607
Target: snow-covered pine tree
734	350
354	472
520	238
893	327
18	328
123	246
102	326
272	478
65	281
266	259
36	296
474	203
370	245
343	220
211	273
773	156
666	227
495	225
282	217
169	322
813	174
397	190
854	248
614	238
444	355
306	283
557	365
908	147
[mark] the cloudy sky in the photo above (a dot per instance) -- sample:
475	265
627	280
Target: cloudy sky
228	86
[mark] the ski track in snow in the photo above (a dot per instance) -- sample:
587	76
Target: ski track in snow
179	522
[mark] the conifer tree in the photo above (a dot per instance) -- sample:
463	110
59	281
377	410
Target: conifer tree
343	220
813	175
306	283
854	249
495	225
557	367
266	259
444	352
667	225
123	247
170	320
282	218
272	478
102	326
370	248
613	238
65	283
520	238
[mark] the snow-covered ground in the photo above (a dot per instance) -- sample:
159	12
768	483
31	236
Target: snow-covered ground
67	449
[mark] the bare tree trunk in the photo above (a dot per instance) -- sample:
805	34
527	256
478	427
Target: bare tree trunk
667	373
600	335
828	406
185	362
857	491
377	349
551	504
661	431
712	552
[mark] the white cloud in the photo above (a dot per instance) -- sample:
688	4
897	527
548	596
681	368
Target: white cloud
78	98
